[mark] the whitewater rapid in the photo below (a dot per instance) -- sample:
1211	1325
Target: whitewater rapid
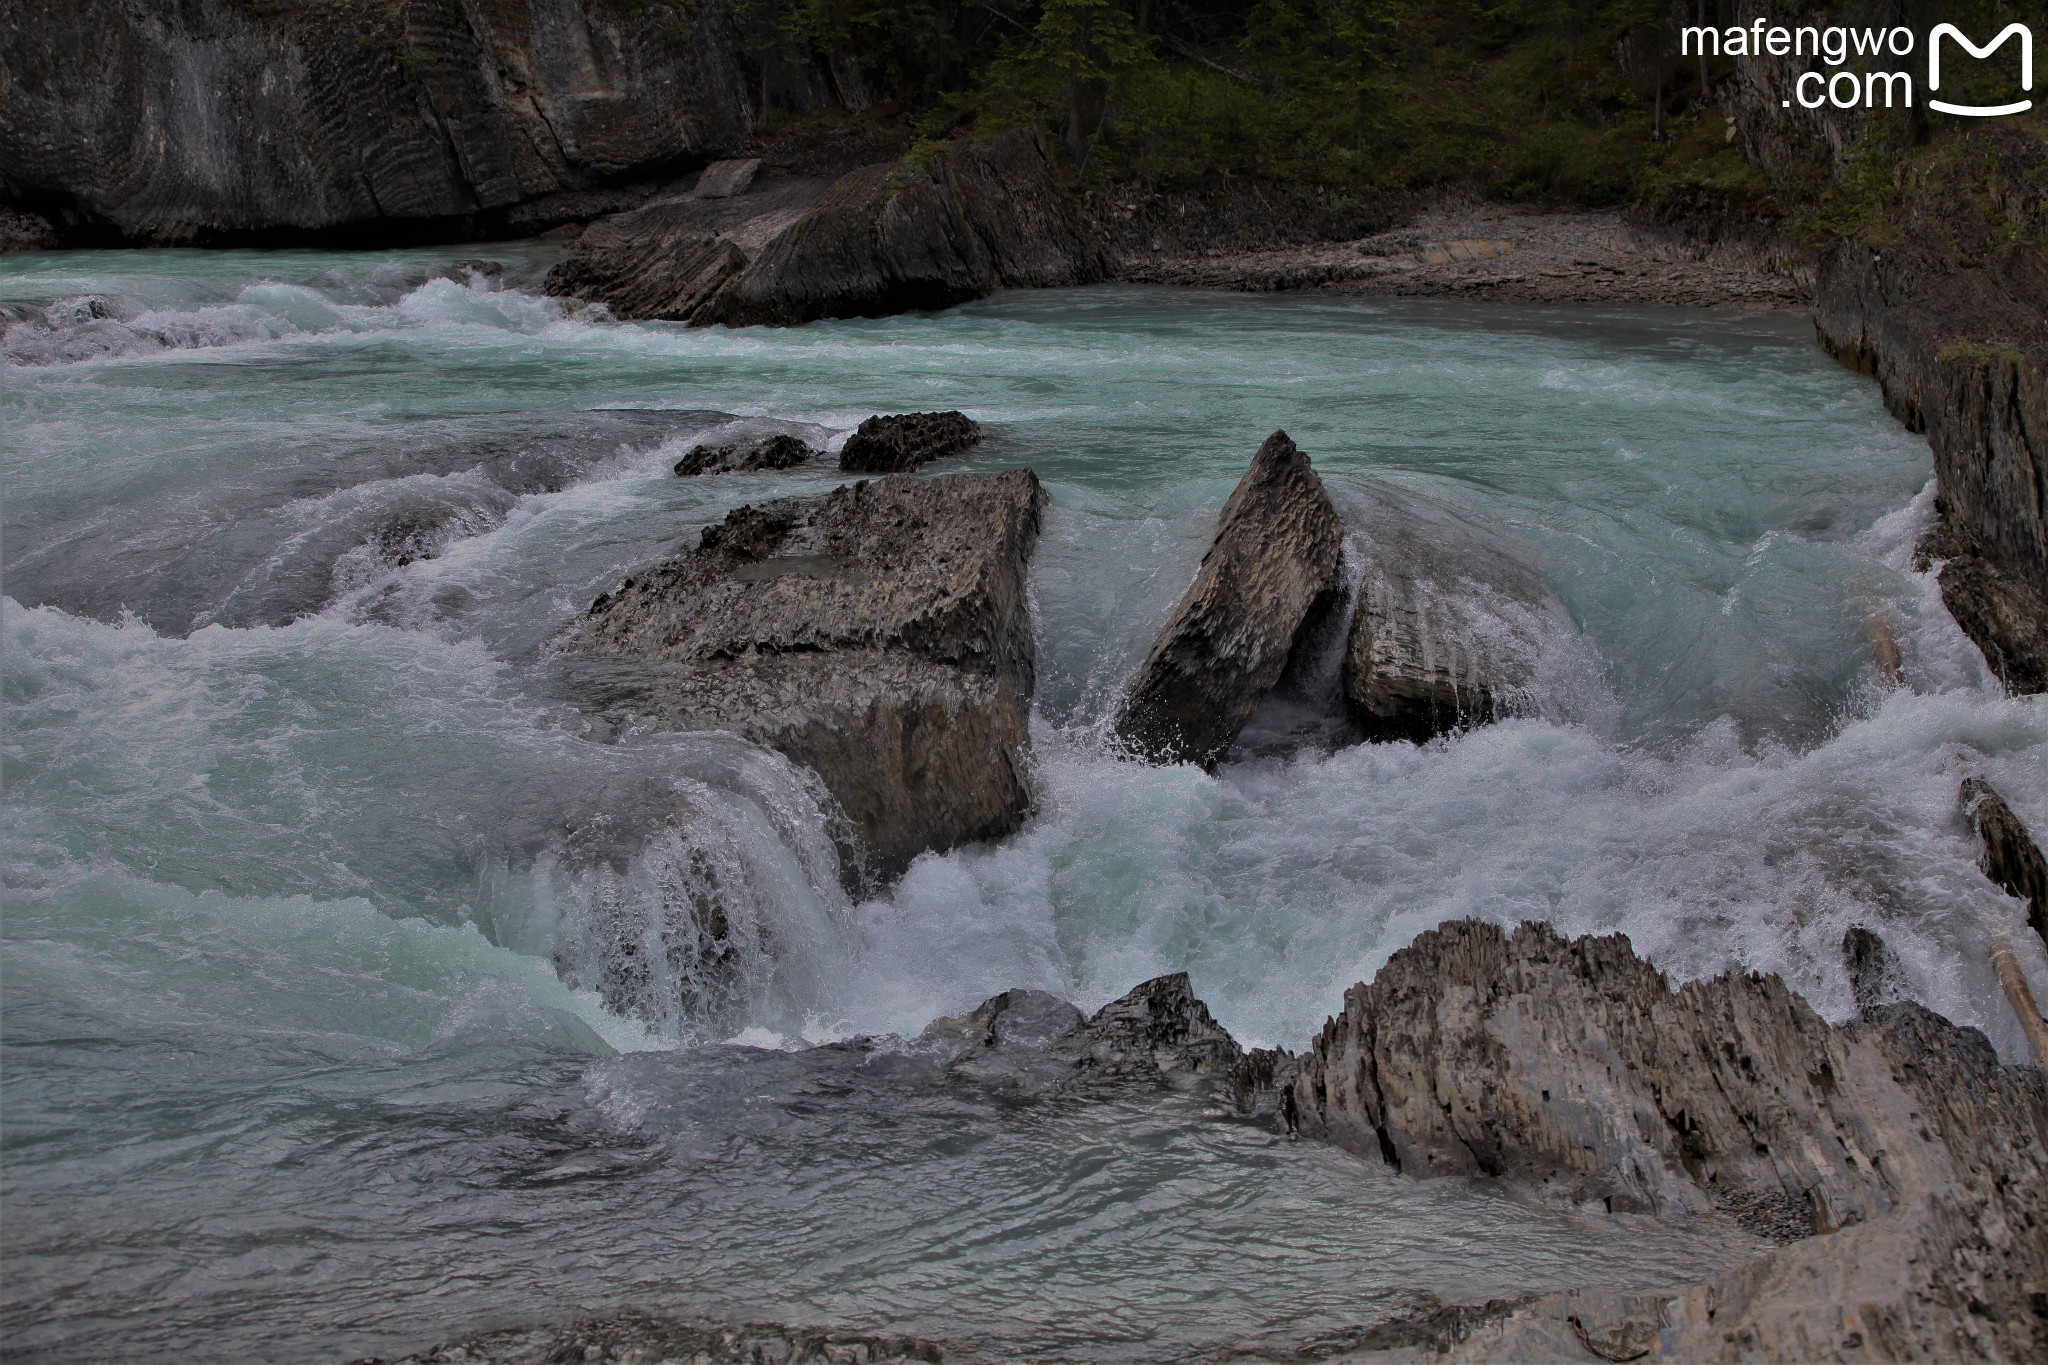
310	864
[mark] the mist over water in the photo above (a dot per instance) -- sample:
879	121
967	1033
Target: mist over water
312	874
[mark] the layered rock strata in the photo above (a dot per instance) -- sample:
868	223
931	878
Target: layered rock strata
173	121
878	636
899	444
1573	1069
1270	574
777	451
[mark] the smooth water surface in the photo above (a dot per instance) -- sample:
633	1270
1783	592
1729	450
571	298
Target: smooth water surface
308	861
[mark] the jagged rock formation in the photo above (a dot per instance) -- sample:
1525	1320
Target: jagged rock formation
877	635
1267	578
1156	1033
2011	857
1573	1069
171	121
1945	303
897	445
778	451
633	1339
1446	631
896	237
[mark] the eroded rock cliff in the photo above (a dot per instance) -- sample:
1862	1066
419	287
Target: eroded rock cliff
174	121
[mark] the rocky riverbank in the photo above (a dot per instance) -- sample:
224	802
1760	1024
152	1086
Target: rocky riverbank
1894	1164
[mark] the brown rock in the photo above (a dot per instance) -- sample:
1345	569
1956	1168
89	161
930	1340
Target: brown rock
656	262
1267	578
897	445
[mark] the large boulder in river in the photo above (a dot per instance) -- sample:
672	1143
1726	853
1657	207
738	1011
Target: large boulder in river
899	236
899	444
877	635
1267	578
778	450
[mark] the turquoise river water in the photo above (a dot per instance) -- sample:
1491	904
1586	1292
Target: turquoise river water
300	1058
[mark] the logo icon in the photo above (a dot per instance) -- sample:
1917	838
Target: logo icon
2026	38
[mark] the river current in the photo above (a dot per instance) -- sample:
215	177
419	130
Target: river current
307	858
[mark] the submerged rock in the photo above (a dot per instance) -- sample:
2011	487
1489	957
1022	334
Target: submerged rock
779	451
1572	1068
877	635
899	444
1267	578
2011	857
1448	626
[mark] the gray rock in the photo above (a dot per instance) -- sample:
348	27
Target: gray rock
724	179
1572	1068
895	237
1264	583
2011	857
652	263
777	451
899	444
636	1339
877	635
1157	1033
1447	630
172	121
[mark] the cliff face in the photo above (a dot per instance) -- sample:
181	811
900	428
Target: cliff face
179	121
1942	296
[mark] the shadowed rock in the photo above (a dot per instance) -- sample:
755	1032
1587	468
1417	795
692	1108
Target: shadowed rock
2011	857
897	445
896	237
1268	576
1158	1032
1876	976
1573	1069
779	451
179	122
657	262
877	635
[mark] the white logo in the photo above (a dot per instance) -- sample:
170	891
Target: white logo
1980	110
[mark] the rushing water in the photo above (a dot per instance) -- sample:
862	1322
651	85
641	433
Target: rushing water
307	861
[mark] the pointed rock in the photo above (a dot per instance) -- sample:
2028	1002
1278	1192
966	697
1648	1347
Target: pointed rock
1271	572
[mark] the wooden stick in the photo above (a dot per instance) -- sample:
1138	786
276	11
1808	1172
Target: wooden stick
2022	999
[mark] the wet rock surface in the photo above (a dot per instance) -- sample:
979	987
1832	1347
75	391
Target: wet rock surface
776	451
877	635
632	1339
1572	1068
901	443
1448	626
2011	857
897	237
1267	579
